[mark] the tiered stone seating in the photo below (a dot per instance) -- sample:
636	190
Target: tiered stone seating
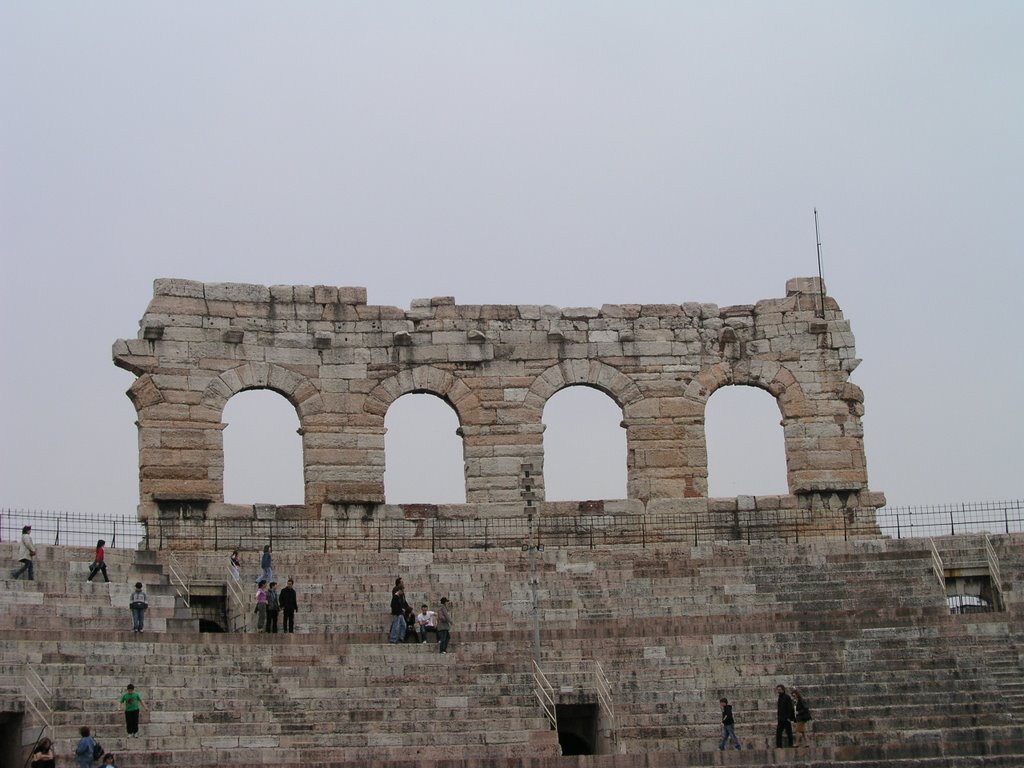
862	628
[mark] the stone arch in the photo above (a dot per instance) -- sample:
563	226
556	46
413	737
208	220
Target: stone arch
593	373
430	380
580	372
768	375
295	388
774	378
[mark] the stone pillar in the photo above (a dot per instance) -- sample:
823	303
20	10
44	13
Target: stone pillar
666	448
343	465
494	455
180	460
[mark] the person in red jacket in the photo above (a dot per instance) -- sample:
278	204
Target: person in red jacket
98	564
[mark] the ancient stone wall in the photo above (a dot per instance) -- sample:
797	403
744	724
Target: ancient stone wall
342	362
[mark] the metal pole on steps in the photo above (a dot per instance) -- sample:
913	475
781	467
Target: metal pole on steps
526	484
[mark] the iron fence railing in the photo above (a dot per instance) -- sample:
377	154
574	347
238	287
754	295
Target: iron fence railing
72	529
952	519
580	530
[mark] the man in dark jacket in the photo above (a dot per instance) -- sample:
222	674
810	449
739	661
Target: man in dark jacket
289	604
398	606
785	717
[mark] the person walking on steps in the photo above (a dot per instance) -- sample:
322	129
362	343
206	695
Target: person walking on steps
132	703
785	715
728	726
803	717
26	551
98	563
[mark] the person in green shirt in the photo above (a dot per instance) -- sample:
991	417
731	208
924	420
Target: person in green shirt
132	706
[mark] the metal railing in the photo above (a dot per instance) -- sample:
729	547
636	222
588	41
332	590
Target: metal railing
72	529
179	579
937	566
545	694
239	619
952	519
583	529
38	696
993	568
604	697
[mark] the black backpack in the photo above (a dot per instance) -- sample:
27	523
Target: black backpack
97	750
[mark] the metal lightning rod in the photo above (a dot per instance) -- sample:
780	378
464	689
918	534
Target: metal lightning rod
821	280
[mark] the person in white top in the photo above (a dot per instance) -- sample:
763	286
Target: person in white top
26	552
426	621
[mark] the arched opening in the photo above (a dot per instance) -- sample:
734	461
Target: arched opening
262	450
584	446
423	452
745	442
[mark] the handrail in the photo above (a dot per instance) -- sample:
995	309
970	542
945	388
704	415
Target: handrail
604	695
238	598
940	571
178	580
545	693
37	695
993	566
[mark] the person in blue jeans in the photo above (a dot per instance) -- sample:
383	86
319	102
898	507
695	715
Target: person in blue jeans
398	606
83	751
444	625
138	603
728	726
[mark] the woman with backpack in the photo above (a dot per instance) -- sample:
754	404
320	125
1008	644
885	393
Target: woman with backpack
88	749
803	717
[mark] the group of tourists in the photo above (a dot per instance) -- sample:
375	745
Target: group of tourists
27	554
792	714
407	625
270	603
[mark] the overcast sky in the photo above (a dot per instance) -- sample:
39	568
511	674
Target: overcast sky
571	153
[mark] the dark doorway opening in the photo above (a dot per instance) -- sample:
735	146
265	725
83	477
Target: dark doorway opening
205	625
10	738
577	728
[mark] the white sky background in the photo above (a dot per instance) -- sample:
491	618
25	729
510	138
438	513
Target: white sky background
576	154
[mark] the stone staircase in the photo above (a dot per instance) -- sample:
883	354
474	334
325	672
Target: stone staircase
861	628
